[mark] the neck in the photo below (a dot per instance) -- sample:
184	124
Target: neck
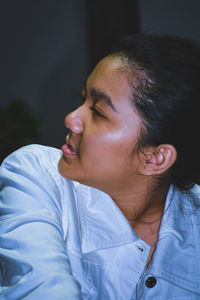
145	206
144	210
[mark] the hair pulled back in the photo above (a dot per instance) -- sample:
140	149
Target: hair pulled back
167	97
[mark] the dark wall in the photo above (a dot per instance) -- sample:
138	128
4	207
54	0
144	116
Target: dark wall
43	59
107	21
174	17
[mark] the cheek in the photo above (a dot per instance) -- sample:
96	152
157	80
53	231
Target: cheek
120	140
107	143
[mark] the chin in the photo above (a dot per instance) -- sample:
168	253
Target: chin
62	168
68	171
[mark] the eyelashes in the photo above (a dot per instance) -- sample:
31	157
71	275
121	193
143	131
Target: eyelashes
95	112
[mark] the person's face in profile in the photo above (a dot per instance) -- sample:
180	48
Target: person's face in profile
103	131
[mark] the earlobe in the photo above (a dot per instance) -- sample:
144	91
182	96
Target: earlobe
157	160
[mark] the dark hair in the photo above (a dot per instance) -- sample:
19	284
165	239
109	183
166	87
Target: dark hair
167	97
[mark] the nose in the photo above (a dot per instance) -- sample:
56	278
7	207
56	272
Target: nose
74	121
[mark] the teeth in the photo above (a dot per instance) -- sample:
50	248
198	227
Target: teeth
75	150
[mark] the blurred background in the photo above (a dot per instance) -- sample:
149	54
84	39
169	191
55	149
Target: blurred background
48	47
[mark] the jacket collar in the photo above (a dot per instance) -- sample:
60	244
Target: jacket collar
102	223
177	254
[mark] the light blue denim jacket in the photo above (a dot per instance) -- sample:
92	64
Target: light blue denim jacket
63	240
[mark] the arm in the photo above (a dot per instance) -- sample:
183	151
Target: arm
33	260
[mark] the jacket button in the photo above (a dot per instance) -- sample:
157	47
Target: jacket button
150	282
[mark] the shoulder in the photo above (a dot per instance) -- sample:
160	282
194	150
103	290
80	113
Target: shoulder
42	154
33	160
30	181
33	168
37	166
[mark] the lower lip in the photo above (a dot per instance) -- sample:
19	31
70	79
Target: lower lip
68	151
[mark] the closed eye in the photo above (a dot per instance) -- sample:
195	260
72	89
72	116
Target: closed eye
95	112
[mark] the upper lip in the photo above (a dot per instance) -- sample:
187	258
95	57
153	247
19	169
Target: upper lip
72	146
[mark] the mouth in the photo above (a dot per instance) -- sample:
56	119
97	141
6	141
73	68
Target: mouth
68	149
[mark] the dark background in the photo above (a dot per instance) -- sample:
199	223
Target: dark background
48	47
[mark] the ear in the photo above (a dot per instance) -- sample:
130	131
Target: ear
157	160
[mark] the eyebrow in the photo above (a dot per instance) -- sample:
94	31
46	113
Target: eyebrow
100	96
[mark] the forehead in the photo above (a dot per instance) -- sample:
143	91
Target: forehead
109	65
110	62
109	76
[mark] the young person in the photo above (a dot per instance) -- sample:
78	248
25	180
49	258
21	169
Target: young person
115	214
